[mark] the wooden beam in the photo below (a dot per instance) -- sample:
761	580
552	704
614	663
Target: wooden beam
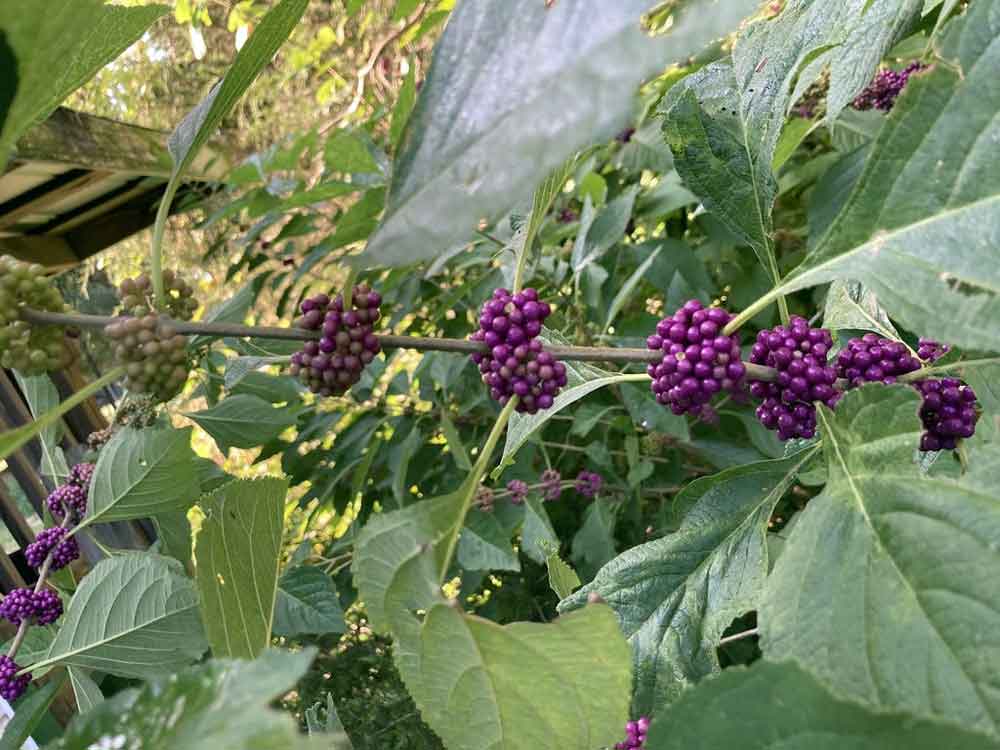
55	253
49	193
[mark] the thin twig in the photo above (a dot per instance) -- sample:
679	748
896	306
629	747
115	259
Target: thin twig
738	636
387	341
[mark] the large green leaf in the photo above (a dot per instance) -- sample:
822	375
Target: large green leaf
886	589
675	596
42	396
143	473
485	132
852	306
922	224
237	553
134	615
485	545
219	704
307	603
467	675
86	692
243	421
57	46
771	706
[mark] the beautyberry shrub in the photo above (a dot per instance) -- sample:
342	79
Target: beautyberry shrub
155	356
517	363
67	497
30	349
136	296
589	483
948	412
64	550
800	355
635	734
871	359
881	93
331	365
698	361
11	686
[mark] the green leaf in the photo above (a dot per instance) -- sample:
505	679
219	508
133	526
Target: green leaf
650	415
538	538
924	245
58	46
275	389
794	132
485	545
87	692
675	596
898	564
608	227
852	306
626	290
243	421
594	542
455	445
307	604
778	705
134	615
484	133
563	580
195	129
237	552
142	473
401	110
321	193
346	152
42	396
29	714
233	310
218	704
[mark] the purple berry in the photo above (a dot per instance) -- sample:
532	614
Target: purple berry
799	353
517	364
685	380
881	93
333	364
588	483
64	551
12	686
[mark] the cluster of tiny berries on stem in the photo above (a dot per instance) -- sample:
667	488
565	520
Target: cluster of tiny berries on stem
699	361
881	93
31	350
799	353
517	363
550	486
51	550
635	734
330	366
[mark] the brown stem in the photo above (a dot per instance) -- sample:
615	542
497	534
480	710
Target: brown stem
388	341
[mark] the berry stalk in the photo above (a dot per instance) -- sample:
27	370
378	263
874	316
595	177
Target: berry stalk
418	343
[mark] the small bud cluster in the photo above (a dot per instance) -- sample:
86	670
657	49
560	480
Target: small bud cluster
871	359
635	734
517	364
799	353
331	365
948	413
484	499
64	550
30	349
137	296
698	362
931	351
551	484
155	356
881	93
518	490
34	607
588	483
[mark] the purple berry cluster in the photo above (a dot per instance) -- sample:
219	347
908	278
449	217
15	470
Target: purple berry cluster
698	362
64	550
12	686
881	93
517	363
588	483
930	350
518	490
800	355
948	413
635	734
67	496
39	607
551	484
333	364
81	475
871	359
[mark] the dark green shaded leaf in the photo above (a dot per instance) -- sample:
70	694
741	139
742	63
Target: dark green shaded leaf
307	604
243	421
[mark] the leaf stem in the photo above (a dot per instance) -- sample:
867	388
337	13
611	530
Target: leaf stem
156	249
927	372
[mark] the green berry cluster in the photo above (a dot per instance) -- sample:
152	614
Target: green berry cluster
30	349
137	296
154	354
